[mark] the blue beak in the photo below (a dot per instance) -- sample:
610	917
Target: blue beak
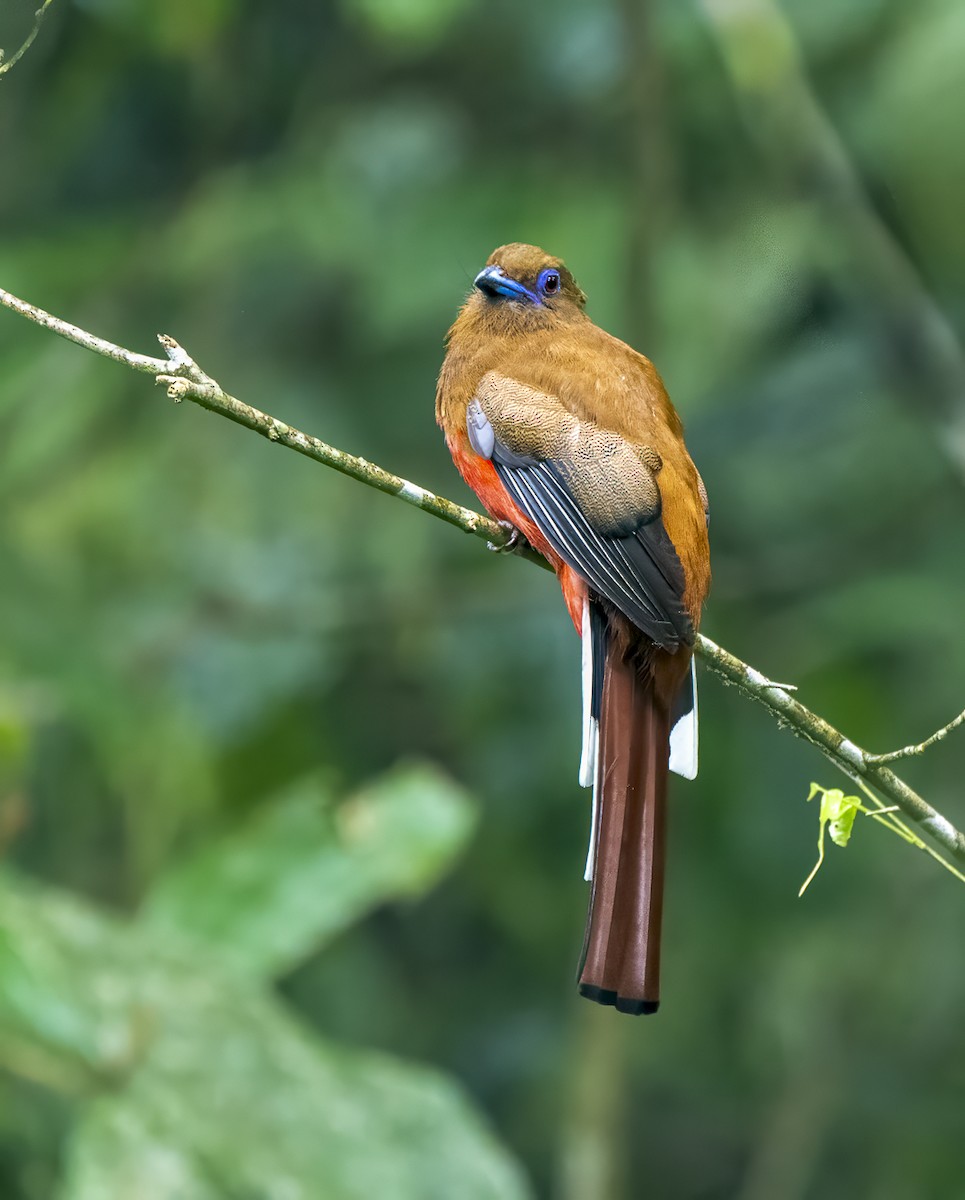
493	282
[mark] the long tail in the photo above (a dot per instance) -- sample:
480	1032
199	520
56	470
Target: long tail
621	954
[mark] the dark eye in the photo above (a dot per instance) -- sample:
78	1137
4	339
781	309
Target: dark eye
549	282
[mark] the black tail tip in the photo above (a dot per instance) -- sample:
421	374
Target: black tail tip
636	1008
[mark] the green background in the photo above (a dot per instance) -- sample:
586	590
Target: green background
251	712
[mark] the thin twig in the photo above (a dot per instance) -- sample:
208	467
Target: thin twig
856	763
38	19
139	362
920	747
886	816
184	380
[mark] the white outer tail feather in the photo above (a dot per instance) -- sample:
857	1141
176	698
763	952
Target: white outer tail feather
591	736
591	727
683	737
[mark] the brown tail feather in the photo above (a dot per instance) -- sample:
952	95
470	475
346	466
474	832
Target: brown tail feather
621	958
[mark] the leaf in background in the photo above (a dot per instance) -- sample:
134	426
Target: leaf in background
201	1085
268	895
243	1096
115	1151
68	986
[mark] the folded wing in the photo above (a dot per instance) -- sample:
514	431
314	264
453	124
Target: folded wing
594	496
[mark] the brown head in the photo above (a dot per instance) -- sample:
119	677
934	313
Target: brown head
523	285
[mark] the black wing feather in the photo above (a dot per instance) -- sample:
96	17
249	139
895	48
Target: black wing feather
639	573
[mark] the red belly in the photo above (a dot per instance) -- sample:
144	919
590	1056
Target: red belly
481	476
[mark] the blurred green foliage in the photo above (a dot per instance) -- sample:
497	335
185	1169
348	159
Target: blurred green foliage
205	640
170	1028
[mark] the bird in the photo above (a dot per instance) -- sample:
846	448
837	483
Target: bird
567	436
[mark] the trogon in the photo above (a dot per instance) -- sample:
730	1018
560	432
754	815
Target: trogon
567	435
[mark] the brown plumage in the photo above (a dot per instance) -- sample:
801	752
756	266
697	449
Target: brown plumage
568	434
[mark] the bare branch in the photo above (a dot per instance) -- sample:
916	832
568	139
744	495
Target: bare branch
38	20
138	362
856	763
184	380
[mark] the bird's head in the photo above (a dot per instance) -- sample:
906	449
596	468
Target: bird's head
525	279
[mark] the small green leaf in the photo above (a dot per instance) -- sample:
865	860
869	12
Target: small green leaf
839	811
837	815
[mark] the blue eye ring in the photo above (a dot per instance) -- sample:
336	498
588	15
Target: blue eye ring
549	282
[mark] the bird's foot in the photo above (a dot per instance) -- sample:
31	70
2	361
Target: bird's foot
515	537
